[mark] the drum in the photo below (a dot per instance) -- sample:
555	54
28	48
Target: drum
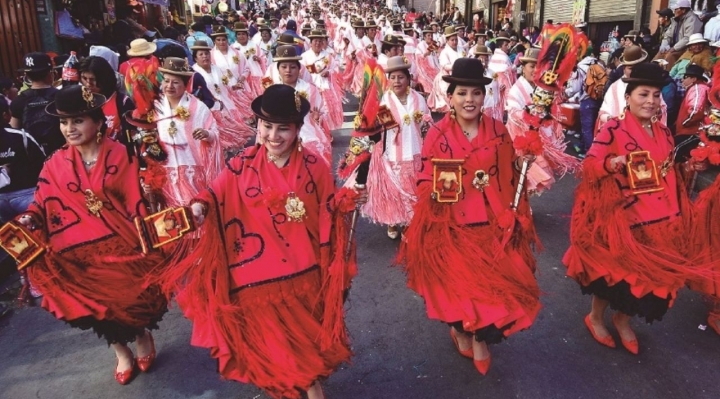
569	116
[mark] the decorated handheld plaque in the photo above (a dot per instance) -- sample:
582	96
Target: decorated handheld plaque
16	240
386	118
447	180
642	173
163	227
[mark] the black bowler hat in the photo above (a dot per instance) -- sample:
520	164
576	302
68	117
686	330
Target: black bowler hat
648	74
75	100
696	71
36	62
468	72
281	104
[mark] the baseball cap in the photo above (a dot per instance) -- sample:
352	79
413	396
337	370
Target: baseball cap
665	12
36	62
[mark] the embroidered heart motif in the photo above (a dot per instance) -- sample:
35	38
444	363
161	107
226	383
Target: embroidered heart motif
59	217
246	247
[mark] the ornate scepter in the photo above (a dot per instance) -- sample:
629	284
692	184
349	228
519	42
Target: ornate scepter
529	144
366	133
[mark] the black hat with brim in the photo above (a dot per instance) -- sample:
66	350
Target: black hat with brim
696	71
647	74
468	72
281	104
141	123
75	100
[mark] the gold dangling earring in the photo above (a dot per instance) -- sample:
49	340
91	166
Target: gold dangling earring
452	113
299	144
98	137
622	114
407	90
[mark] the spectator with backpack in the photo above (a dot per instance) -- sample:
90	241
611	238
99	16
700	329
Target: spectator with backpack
587	87
28	109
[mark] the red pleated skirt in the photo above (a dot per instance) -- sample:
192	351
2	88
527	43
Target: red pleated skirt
101	286
269	335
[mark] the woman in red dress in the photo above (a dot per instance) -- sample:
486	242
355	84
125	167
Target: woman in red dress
264	285
93	274
628	231
493	293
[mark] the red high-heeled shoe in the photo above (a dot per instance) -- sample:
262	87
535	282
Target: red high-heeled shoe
145	362
631	346
482	366
712	323
124	377
468	353
607	341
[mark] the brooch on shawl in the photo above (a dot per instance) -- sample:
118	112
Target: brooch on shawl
295	208
406	120
236	59
182	113
93	203
418	116
249	52
303	94
293	205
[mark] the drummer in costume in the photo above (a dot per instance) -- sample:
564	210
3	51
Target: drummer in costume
188	132
254	58
391	179
321	65
94	275
614	103
312	134
437	101
264	285
426	55
233	131
466	184
530	103
628	229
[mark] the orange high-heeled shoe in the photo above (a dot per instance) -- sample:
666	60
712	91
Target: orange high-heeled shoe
631	346
145	362
607	341
124	377
482	366
468	353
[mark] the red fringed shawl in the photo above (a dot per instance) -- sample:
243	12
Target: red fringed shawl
249	240
470	260
617	235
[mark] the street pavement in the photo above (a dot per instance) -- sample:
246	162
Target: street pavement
399	353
